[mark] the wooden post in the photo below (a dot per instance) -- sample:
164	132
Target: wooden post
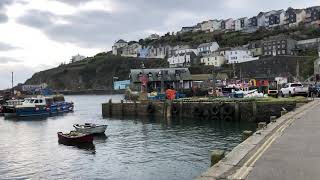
236	111
135	108
216	156
180	109
110	107
168	110
254	111
122	108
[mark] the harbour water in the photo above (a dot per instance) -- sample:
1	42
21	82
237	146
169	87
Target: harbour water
132	149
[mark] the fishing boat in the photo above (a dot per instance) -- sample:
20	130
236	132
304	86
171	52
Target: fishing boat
89	128
30	107
74	137
58	104
8	109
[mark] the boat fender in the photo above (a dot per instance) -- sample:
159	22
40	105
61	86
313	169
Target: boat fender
227	110
197	111
215	110
227	118
37	109
150	108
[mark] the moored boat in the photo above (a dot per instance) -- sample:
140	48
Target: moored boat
31	107
74	137
89	128
8	109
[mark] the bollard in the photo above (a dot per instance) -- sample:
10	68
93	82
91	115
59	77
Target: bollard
283	113
110	107
273	119
262	125
246	135
216	156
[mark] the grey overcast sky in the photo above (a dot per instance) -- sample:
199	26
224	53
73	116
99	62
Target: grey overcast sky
40	34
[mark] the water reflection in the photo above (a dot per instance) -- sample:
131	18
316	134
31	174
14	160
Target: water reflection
84	146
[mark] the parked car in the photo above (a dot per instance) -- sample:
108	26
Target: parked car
294	89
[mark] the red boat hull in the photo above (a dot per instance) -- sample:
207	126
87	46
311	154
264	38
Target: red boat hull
79	139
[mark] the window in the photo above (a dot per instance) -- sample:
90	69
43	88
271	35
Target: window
283	51
279	52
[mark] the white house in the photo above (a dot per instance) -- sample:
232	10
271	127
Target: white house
208	48
227	25
211	25
131	50
239	56
179	49
241	24
77	58
182	60
275	18
214	59
117	45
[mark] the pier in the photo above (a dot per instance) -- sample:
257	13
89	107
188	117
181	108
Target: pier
252	110
287	148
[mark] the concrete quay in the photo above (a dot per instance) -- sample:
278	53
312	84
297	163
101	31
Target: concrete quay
288	148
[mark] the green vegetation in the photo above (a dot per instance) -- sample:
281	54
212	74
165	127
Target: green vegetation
232	39
92	73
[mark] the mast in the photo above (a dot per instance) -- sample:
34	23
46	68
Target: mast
12	91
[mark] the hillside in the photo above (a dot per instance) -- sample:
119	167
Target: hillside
232	39
92	73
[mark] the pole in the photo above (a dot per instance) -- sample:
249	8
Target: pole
12	91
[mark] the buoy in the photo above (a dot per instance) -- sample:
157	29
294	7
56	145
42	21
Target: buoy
197	111
227	110
214	110
227	118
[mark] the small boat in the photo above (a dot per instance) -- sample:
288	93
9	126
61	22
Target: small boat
89	128
74	137
8	109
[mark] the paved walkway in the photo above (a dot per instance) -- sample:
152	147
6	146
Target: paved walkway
296	154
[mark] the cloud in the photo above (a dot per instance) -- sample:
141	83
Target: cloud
6	60
7	47
97	23
73	2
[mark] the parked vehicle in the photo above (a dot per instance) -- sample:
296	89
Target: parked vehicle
74	137
89	128
273	89
294	89
314	90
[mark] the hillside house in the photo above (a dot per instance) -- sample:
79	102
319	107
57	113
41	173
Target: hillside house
275	18
241	24
161	51
182	60
207	48
153	37
131	50
255	48
313	16
278	46
293	17
227	25
235	56
179	49
214	59
117	45
211	25
77	58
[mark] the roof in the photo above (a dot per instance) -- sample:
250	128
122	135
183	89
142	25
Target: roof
206	44
121	41
201	77
168	74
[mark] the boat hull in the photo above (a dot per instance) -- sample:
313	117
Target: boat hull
85	138
91	130
32	112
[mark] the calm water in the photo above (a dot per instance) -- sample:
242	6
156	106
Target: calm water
133	149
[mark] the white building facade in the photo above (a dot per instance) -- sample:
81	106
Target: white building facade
211	25
117	45
77	58
181	60
241	24
239	56
207	48
215	59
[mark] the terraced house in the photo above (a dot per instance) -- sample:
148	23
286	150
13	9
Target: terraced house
278	46
294	17
241	24
275	18
313	16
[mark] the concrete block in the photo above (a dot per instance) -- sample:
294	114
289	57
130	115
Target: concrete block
217	170
246	135
262	125
273	119
216	156
237	154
